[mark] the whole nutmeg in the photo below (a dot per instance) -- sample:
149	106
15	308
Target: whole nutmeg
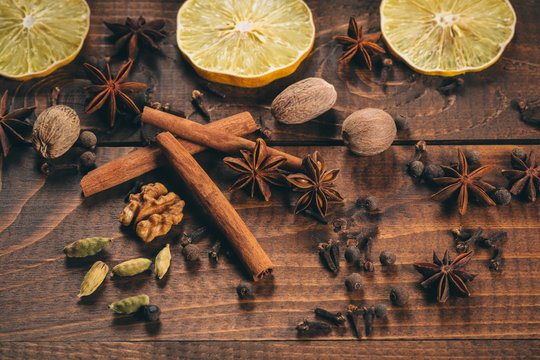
303	101
55	131
368	131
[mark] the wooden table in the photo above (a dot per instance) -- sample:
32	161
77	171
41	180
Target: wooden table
201	314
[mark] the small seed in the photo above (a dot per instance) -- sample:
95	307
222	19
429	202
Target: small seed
163	261
352	254
132	267
93	278
129	305
244	290
399	296
86	247
387	258
354	282
415	168
312	327
502	196
381	311
88	159
151	312
191	252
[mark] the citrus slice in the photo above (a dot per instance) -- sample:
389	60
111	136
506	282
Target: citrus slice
246	43
39	36
447	37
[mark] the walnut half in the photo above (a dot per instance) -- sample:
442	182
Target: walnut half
153	211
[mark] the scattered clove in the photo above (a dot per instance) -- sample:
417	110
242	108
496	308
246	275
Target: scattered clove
530	111
197	234
495	263
462	246
197	99
335	318
415	167
213	253
339	224
264	130
313	328
355	315
491	242
368	315
329	253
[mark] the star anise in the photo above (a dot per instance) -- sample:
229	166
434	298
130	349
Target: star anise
460	180
316	183
525	175
356	43
137	34
112	90
8	119
446	275
257	168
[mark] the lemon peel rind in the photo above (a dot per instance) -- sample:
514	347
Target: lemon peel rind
248	81
57	64
449	73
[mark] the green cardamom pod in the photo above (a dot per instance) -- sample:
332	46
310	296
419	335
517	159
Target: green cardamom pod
132	267
86	247
130	305
93	278
163	261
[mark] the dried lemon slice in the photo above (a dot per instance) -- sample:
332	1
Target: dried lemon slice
246	43
39	36
447	37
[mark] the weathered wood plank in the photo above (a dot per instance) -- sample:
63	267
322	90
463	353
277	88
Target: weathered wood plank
38	286
224	350
480	110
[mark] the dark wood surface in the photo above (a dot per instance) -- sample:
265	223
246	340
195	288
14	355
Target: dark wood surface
201	314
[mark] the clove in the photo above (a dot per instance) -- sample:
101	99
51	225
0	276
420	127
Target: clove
495	263
355	316
368	315
329	253
197	99
312	328
335	318
186	239
491	242
462	246
213	253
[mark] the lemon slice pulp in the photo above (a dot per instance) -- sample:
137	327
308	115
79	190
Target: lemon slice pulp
246	43
447	37
39	36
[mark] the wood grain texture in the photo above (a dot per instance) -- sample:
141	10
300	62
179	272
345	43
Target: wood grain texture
38	286
225	350
481	109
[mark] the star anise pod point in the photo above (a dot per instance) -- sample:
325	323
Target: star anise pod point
462	182
524	176
316	183
137	34
446	276
257	169
356	43
112	90
8	119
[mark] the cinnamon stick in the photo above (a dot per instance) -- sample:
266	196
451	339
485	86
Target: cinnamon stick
218	207
141	161
212	138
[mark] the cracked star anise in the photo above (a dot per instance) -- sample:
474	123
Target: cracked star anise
525	176
8	119
463	182
257	168
137	34
111	90
356	43
316	183
446	276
